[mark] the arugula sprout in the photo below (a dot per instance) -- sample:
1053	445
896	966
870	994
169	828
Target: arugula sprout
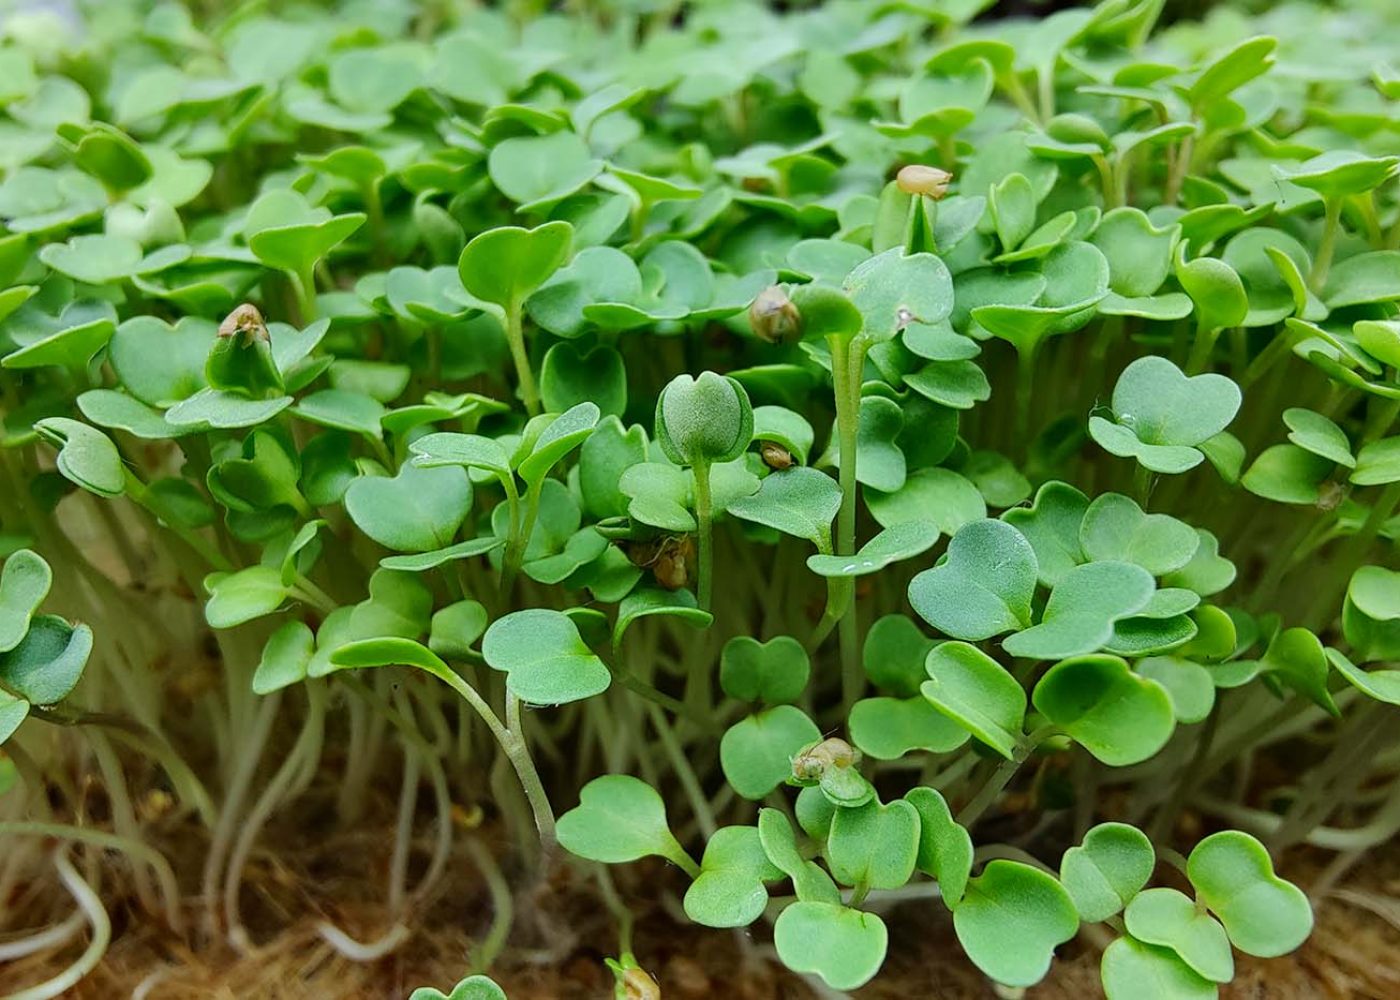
827	454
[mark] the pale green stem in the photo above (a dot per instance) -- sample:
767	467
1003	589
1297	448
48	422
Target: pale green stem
1322	263
515	337
1002	776
847	364
519	539
704	518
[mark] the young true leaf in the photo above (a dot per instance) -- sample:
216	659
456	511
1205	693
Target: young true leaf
545	660
729	890
756	753
945	847
1011	919
1133	970
775	671
1234	877
1118	716
889	728
24	583
1169	919
1107	870
1161	415
843	946
874	845
983	588
1082	609
620	818
977	693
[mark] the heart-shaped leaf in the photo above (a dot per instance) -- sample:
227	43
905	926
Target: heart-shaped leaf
86	456
1115	528
894	655
285	658
891	290
504	265
1082	609
562	435
874	845
1052	525
799	501
1370	616
1160	415
756	753
471	988
1133	970
619	818
1169	919
889	728
1011	919
45	666
775	671
940	496
1107	870
729	890
1233	876
545	660
538	171
418	510
977	693
845	947
1118	716
235	598
809	880
983	588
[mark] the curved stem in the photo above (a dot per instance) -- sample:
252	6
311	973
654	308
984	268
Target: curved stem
138	851
96	914
515	338
502	903
1322	263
